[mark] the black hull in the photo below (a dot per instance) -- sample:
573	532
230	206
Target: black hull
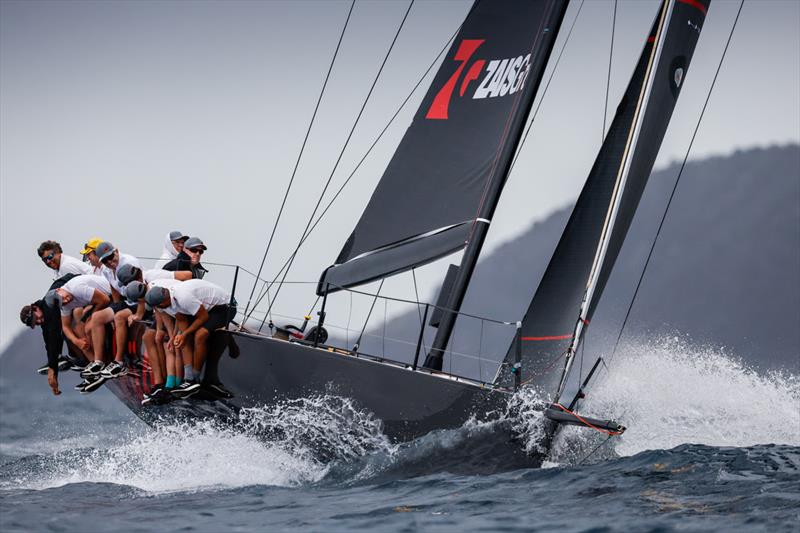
268	371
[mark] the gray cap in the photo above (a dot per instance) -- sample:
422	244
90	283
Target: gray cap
53	299
135	291
194	242
127	273
156	296
104	250
177	235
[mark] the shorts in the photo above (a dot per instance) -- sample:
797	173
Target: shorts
219	316
119	306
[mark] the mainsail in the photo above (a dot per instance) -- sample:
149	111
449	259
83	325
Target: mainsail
455	154
577	273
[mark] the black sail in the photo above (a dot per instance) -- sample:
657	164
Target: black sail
577	273
435	186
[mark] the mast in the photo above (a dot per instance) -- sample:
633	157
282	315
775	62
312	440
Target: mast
540	53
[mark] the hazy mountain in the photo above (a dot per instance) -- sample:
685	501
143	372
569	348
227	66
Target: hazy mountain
725	271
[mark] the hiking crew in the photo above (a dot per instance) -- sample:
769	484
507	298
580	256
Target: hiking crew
173	245
189	258
199	308
79	298
49	318
89	254
119	310
50	253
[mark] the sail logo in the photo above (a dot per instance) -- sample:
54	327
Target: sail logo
501	77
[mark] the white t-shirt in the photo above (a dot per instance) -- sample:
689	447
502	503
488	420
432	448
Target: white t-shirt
167	283
82	290
70	265
150	276
188	296
111	275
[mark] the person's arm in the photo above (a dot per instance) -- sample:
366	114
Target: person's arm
100	300
115	297
199	319
138	315
66	327
53	338
184	275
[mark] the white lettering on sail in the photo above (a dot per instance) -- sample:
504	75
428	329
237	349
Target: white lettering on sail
503	77
497	79
511	75
483	91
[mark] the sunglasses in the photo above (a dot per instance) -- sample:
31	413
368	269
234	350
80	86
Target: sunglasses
198	251
108	259
48	257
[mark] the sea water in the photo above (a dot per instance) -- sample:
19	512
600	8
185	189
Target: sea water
711	445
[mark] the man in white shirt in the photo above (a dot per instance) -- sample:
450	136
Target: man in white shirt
51	254
119	310
200	308
89	254
74	299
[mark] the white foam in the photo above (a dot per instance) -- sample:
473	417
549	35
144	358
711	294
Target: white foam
305	436
669	392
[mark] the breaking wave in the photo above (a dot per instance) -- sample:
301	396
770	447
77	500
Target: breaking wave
670	392
666	392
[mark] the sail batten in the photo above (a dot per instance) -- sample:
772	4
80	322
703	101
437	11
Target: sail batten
456	147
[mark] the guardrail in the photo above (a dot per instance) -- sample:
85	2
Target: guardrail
379	327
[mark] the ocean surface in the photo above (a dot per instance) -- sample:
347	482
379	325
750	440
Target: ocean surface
711	446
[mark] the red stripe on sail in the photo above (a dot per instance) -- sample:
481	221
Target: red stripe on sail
550	338
694	3
651	39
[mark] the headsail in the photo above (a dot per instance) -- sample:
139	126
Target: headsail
435	187
576	275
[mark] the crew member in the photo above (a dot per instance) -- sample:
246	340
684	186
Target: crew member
74	299
89	254
119	310
51	254
200	308
189	258
173	245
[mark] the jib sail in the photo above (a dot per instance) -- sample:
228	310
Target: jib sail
577	273
458	146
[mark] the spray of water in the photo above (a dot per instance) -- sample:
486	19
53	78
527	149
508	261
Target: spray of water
287	444
669	392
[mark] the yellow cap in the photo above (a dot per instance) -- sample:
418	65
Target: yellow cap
91	246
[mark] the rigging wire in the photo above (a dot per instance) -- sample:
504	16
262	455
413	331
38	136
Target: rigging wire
371	307
363	158
544	92
341	154
608	77
419	311
677	180
299	156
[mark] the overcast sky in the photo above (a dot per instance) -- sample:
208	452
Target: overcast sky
129	119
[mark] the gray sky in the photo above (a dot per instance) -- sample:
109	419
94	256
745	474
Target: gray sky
129	119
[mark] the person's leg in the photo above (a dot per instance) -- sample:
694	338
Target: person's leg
149	340
121	333
183	364
97	325
200	350
81	331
